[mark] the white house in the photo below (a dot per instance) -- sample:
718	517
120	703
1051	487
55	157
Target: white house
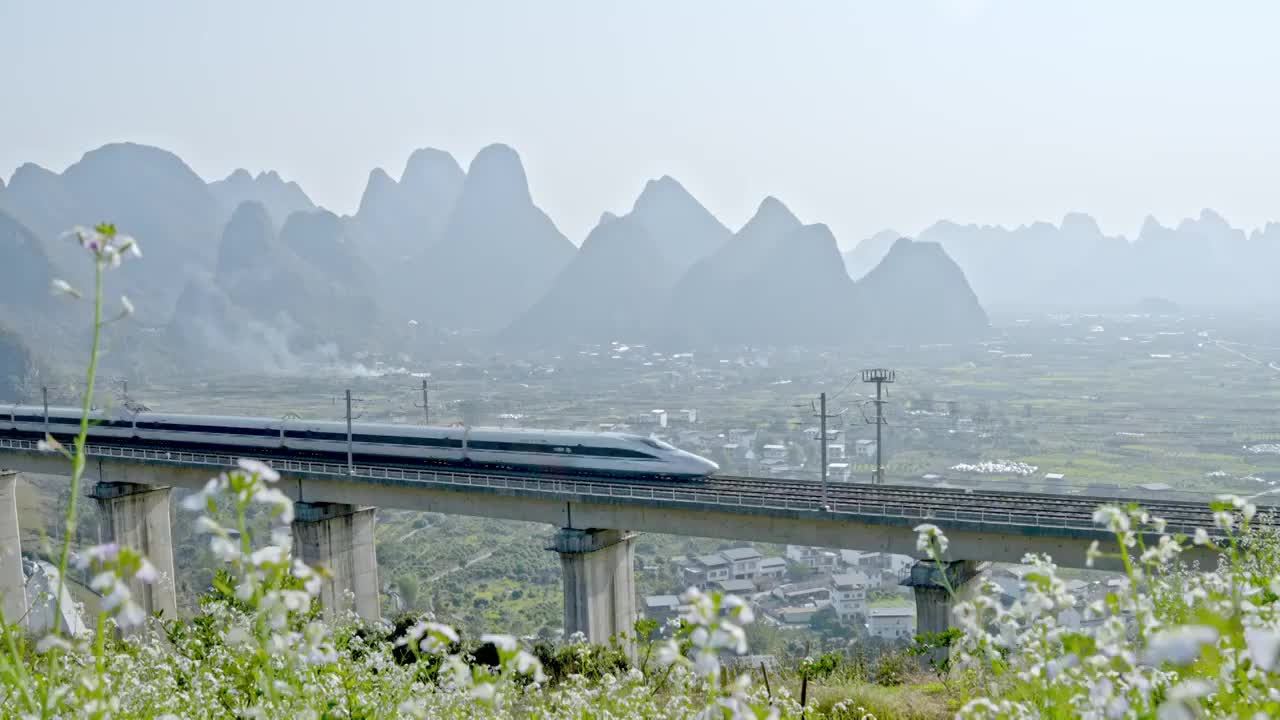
661	607
849	594
707	569
884	569
775	452
864	448
773	568
891	623
744	562
816	558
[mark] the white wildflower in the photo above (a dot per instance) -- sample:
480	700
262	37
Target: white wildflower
259	469
269	555
1224	520
62	287
131	615
146	572
1092	553
505	643
1179	645
1112	518
1234	501
199	501
50	642
1264	647
930	539
224	548
273	496
484	692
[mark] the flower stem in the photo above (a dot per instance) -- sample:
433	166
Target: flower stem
77	470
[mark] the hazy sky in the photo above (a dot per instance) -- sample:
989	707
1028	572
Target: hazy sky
858	114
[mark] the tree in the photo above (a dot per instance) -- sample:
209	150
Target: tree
408	586
827	623
797	571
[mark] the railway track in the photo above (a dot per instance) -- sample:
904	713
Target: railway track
1065	507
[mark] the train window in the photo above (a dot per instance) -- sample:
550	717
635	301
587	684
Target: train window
536	448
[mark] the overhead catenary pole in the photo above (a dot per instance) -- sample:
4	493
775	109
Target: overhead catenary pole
879	440
823	416
351	470
879	376
822	443
44	393
426	404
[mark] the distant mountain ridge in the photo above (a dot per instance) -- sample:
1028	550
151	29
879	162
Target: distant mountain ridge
150	193
684	230
250	261
280	199
917	293
498	252
591	301
1202	262
710	301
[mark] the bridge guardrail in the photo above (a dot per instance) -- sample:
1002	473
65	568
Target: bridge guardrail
560	486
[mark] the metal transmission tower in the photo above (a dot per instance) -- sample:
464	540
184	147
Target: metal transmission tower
879	376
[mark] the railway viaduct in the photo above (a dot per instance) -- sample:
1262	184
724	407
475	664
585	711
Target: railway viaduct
597	520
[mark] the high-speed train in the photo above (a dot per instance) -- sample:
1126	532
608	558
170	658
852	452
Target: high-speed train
559	451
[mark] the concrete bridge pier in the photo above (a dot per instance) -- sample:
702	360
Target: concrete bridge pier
138	516
13	593
933	602
339	537
599	581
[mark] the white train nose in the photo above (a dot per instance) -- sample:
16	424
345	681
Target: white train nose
697	464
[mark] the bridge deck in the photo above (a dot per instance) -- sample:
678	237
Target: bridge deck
983	525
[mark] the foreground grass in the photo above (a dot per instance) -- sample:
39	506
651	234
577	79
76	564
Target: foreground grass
919	700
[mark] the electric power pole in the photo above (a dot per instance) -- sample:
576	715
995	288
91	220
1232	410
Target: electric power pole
822	445
351	470
426	410
879	376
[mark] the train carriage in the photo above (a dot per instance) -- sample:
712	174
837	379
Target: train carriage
552	451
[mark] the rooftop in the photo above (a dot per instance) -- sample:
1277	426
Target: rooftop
668	602
736	586
711	560
739	554
849	580
890	612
